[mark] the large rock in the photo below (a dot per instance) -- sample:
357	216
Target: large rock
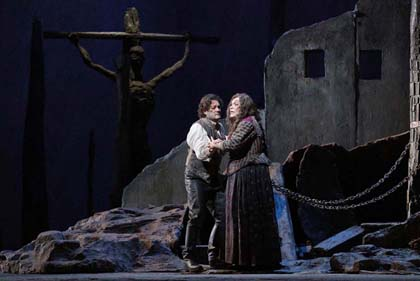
159	183
367	164
369	258
112	241
318	177
361	259
342	106
332	172
397	236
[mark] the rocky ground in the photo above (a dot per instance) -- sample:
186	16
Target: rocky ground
146	240
119	240
207	277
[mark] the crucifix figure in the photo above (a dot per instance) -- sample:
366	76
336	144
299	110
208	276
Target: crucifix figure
136	99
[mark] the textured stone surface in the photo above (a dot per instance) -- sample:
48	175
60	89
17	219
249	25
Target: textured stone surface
301	110
339	107
369	258
318	177
367	164
330	171
317	265
105	243
278	276
415	244
398	236
344	262
383	104
375	226
112	241
393	236
159	183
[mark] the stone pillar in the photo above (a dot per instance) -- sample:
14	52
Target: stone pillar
413	193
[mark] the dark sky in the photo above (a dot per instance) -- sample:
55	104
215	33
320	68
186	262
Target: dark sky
78	101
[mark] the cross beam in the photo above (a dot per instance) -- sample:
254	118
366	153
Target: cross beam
126	35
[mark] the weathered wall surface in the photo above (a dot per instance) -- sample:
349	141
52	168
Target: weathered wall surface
159	183
339	107
384	103
302	110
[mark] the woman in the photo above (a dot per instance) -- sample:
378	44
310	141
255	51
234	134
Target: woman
252	239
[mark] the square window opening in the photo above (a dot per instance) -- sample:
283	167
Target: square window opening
370	64
314	63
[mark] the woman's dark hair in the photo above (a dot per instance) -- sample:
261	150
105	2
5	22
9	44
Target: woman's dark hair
247	107
205	103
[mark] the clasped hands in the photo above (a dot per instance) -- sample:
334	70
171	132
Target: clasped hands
214	145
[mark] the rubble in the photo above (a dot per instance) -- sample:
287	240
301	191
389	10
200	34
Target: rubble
147	240
369	258
118	240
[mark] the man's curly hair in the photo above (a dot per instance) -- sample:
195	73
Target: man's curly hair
205	103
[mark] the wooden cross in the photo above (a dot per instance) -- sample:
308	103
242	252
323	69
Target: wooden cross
135	94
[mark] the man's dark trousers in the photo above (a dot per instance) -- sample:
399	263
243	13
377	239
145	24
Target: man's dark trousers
203	197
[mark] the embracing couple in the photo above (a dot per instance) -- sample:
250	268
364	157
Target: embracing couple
244	234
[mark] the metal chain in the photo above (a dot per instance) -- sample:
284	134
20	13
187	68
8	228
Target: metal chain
356	196
298	197
329	204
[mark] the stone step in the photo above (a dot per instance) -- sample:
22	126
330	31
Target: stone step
374	226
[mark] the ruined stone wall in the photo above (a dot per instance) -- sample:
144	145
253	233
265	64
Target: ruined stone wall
159	183
344	80
383	104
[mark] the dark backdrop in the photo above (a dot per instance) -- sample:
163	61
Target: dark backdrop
51	103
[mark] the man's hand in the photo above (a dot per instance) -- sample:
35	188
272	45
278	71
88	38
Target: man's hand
215	144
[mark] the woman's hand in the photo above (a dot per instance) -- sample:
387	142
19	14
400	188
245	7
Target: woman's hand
215	144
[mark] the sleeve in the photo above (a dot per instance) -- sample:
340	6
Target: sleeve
243	132
198	140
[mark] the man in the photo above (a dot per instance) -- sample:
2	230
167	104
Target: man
203	183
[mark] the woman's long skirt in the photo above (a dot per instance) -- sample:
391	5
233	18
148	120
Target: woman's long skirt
251	227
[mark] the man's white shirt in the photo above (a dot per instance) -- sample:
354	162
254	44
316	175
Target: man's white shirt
198	141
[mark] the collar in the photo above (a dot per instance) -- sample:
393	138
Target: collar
214	124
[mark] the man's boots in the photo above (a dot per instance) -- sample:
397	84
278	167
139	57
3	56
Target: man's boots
189	253
216	247
193	266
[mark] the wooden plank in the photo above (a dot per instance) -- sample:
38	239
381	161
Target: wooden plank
342	241
125	35
284	219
